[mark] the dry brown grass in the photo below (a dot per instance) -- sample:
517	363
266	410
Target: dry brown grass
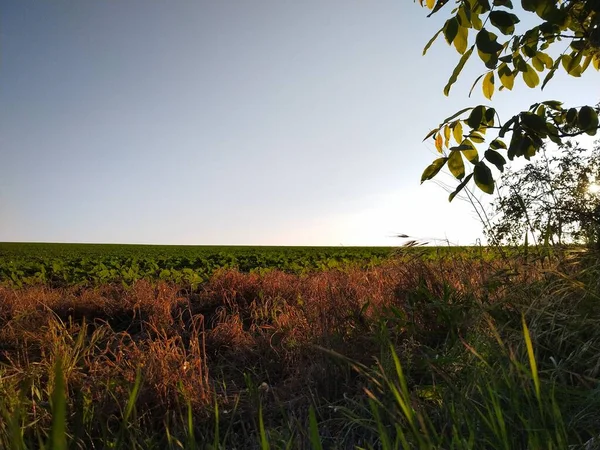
194	346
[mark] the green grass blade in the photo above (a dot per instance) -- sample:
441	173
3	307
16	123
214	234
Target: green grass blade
315	439
531	356
58	434
264	442
217	437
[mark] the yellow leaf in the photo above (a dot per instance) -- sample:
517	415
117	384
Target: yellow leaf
457	132
530	77
447	135
430	4
537	64
596	62
461	39
488	85
546	59
507	77
586	63
476	21
438	142
566	62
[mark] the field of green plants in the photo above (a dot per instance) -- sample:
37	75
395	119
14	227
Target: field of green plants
72	264
61	265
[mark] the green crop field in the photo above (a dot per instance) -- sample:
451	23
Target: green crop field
71	264
56	265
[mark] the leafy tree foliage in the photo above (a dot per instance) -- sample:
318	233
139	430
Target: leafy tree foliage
553	199
566	36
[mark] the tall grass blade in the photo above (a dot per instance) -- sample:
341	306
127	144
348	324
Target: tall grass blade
264	442
133	396
315	439
217	438
531	356
191	437
58	433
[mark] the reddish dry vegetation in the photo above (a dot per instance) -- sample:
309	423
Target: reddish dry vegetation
193	347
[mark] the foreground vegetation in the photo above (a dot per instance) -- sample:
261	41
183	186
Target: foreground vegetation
411	353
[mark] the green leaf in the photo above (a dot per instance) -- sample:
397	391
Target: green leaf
553	104
457	70
431	41
588	120
433	169
496	159
586	63
489	117
476	137
455	115
574	65
571	117
550	74
504	21
497	144
534	123
431	133
483	178
472	155
475	83
465	145
451	29
488	85
489	60
487	42
506	127
461	40
456	165
476	117
530	77
460	187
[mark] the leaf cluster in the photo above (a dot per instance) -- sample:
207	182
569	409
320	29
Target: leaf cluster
473	27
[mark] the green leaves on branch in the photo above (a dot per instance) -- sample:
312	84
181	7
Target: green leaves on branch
522	135
522	55
524	52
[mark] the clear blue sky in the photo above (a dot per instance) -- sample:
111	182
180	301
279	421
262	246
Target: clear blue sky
229	122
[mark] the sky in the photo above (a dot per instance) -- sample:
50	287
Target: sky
264	122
